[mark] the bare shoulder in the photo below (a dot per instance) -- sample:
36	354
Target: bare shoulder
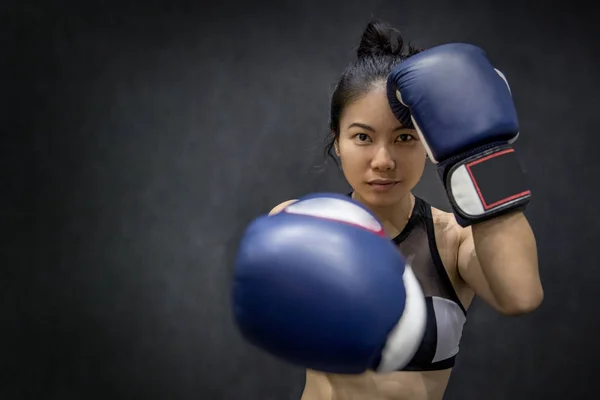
279	207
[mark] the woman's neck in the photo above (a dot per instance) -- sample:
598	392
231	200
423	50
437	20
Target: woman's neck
394	217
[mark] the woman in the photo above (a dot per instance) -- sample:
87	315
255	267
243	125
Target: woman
383	161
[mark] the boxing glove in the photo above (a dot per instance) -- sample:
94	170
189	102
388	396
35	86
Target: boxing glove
462	109
321	286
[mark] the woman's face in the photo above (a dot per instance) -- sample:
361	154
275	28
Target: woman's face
381	159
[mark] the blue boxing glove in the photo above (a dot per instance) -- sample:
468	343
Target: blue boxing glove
321	286
462	108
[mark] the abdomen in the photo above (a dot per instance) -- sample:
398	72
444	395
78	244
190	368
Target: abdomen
428	385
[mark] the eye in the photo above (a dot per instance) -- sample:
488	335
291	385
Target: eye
362	137
405	137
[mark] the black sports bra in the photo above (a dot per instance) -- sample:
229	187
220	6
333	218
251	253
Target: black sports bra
446	315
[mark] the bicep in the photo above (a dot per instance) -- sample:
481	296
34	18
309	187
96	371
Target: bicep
470	270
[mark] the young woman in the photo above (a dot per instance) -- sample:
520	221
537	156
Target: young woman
382	161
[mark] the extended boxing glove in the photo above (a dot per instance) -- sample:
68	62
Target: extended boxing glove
321	286
462	108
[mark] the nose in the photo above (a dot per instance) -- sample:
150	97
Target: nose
383	161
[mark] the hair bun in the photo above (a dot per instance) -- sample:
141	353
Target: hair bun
380	38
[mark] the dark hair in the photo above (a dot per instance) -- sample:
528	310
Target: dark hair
381	49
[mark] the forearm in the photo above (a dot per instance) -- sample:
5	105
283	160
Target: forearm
506	250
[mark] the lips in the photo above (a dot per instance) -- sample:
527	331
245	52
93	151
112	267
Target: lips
381	185
382	182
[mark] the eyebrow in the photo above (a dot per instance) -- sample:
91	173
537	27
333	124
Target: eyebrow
370	128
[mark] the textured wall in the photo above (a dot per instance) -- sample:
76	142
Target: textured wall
139	140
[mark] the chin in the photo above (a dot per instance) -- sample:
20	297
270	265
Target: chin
383	199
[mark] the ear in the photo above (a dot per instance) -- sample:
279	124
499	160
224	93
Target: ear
336	147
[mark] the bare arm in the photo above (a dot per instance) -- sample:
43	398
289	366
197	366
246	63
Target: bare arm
278	208
498	260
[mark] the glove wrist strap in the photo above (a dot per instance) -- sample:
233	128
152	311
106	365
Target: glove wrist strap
485	183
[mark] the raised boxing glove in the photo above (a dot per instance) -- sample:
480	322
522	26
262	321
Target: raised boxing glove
462	108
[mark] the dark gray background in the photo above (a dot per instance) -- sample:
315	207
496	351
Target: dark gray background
139	138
